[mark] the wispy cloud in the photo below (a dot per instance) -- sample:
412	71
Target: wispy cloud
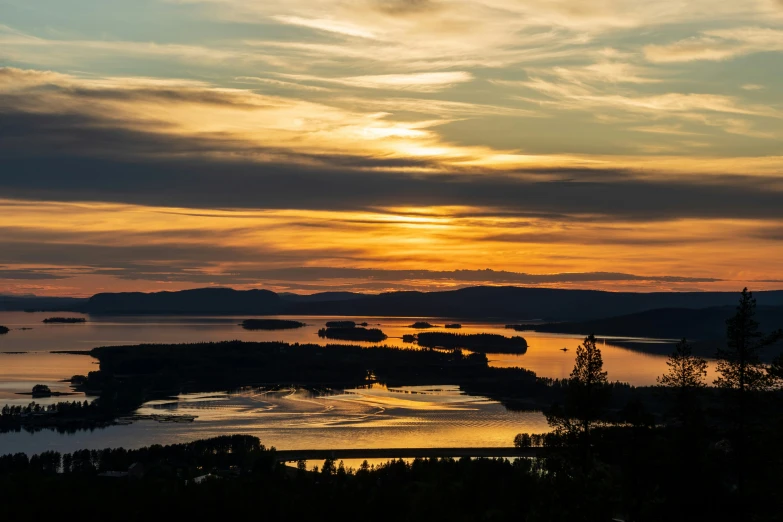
418	82
717	45
325	24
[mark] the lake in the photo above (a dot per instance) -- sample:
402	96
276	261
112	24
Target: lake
421	416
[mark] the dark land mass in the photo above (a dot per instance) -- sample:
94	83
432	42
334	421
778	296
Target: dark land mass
703	326
320	297
496	303
271	324
340	324
352	333
421	325
525	303
483	343
199	301
453	326
4	330
65	320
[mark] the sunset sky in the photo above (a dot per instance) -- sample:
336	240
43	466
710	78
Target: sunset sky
374	145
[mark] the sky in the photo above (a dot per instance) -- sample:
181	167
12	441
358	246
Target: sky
377	145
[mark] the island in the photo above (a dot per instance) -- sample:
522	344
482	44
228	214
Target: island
341	324
65	320
454	326
4	330
482	343
41	390
421	325
373	335
271	324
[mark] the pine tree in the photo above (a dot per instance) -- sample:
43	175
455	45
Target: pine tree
588	382
743	377
739	364
586	397
685	378
686	371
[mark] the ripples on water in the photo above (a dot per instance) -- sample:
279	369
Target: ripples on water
374	417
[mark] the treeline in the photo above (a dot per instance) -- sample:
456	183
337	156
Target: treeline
244	482
177	461
65	320
720	443
63	416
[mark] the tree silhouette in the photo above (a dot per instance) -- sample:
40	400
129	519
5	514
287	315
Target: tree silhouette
686	371
588	383
586	397
739	364
743	377
685	377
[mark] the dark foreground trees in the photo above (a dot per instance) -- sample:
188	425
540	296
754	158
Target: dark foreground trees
715	456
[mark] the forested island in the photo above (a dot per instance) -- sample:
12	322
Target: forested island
350	333
65	320
343	324
482	343
421	325
271	324
4	330
454	326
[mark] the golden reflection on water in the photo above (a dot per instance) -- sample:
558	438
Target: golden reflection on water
372	417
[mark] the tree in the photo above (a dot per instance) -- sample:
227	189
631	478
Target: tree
743	377
739	365
686	371
587	394
685	377
523	440
588	382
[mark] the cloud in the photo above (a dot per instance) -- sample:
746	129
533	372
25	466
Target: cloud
406	7
417	82
311	274
30	274
718	45
322	24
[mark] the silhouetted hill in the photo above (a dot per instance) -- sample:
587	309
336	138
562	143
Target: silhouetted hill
668	323
499	303
199	301
320	297
524	303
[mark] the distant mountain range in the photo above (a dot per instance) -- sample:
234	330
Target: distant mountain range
668	323
696	315
496	303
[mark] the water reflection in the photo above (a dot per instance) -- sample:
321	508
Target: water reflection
375	417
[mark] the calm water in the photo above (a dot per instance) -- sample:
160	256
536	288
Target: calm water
291	419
